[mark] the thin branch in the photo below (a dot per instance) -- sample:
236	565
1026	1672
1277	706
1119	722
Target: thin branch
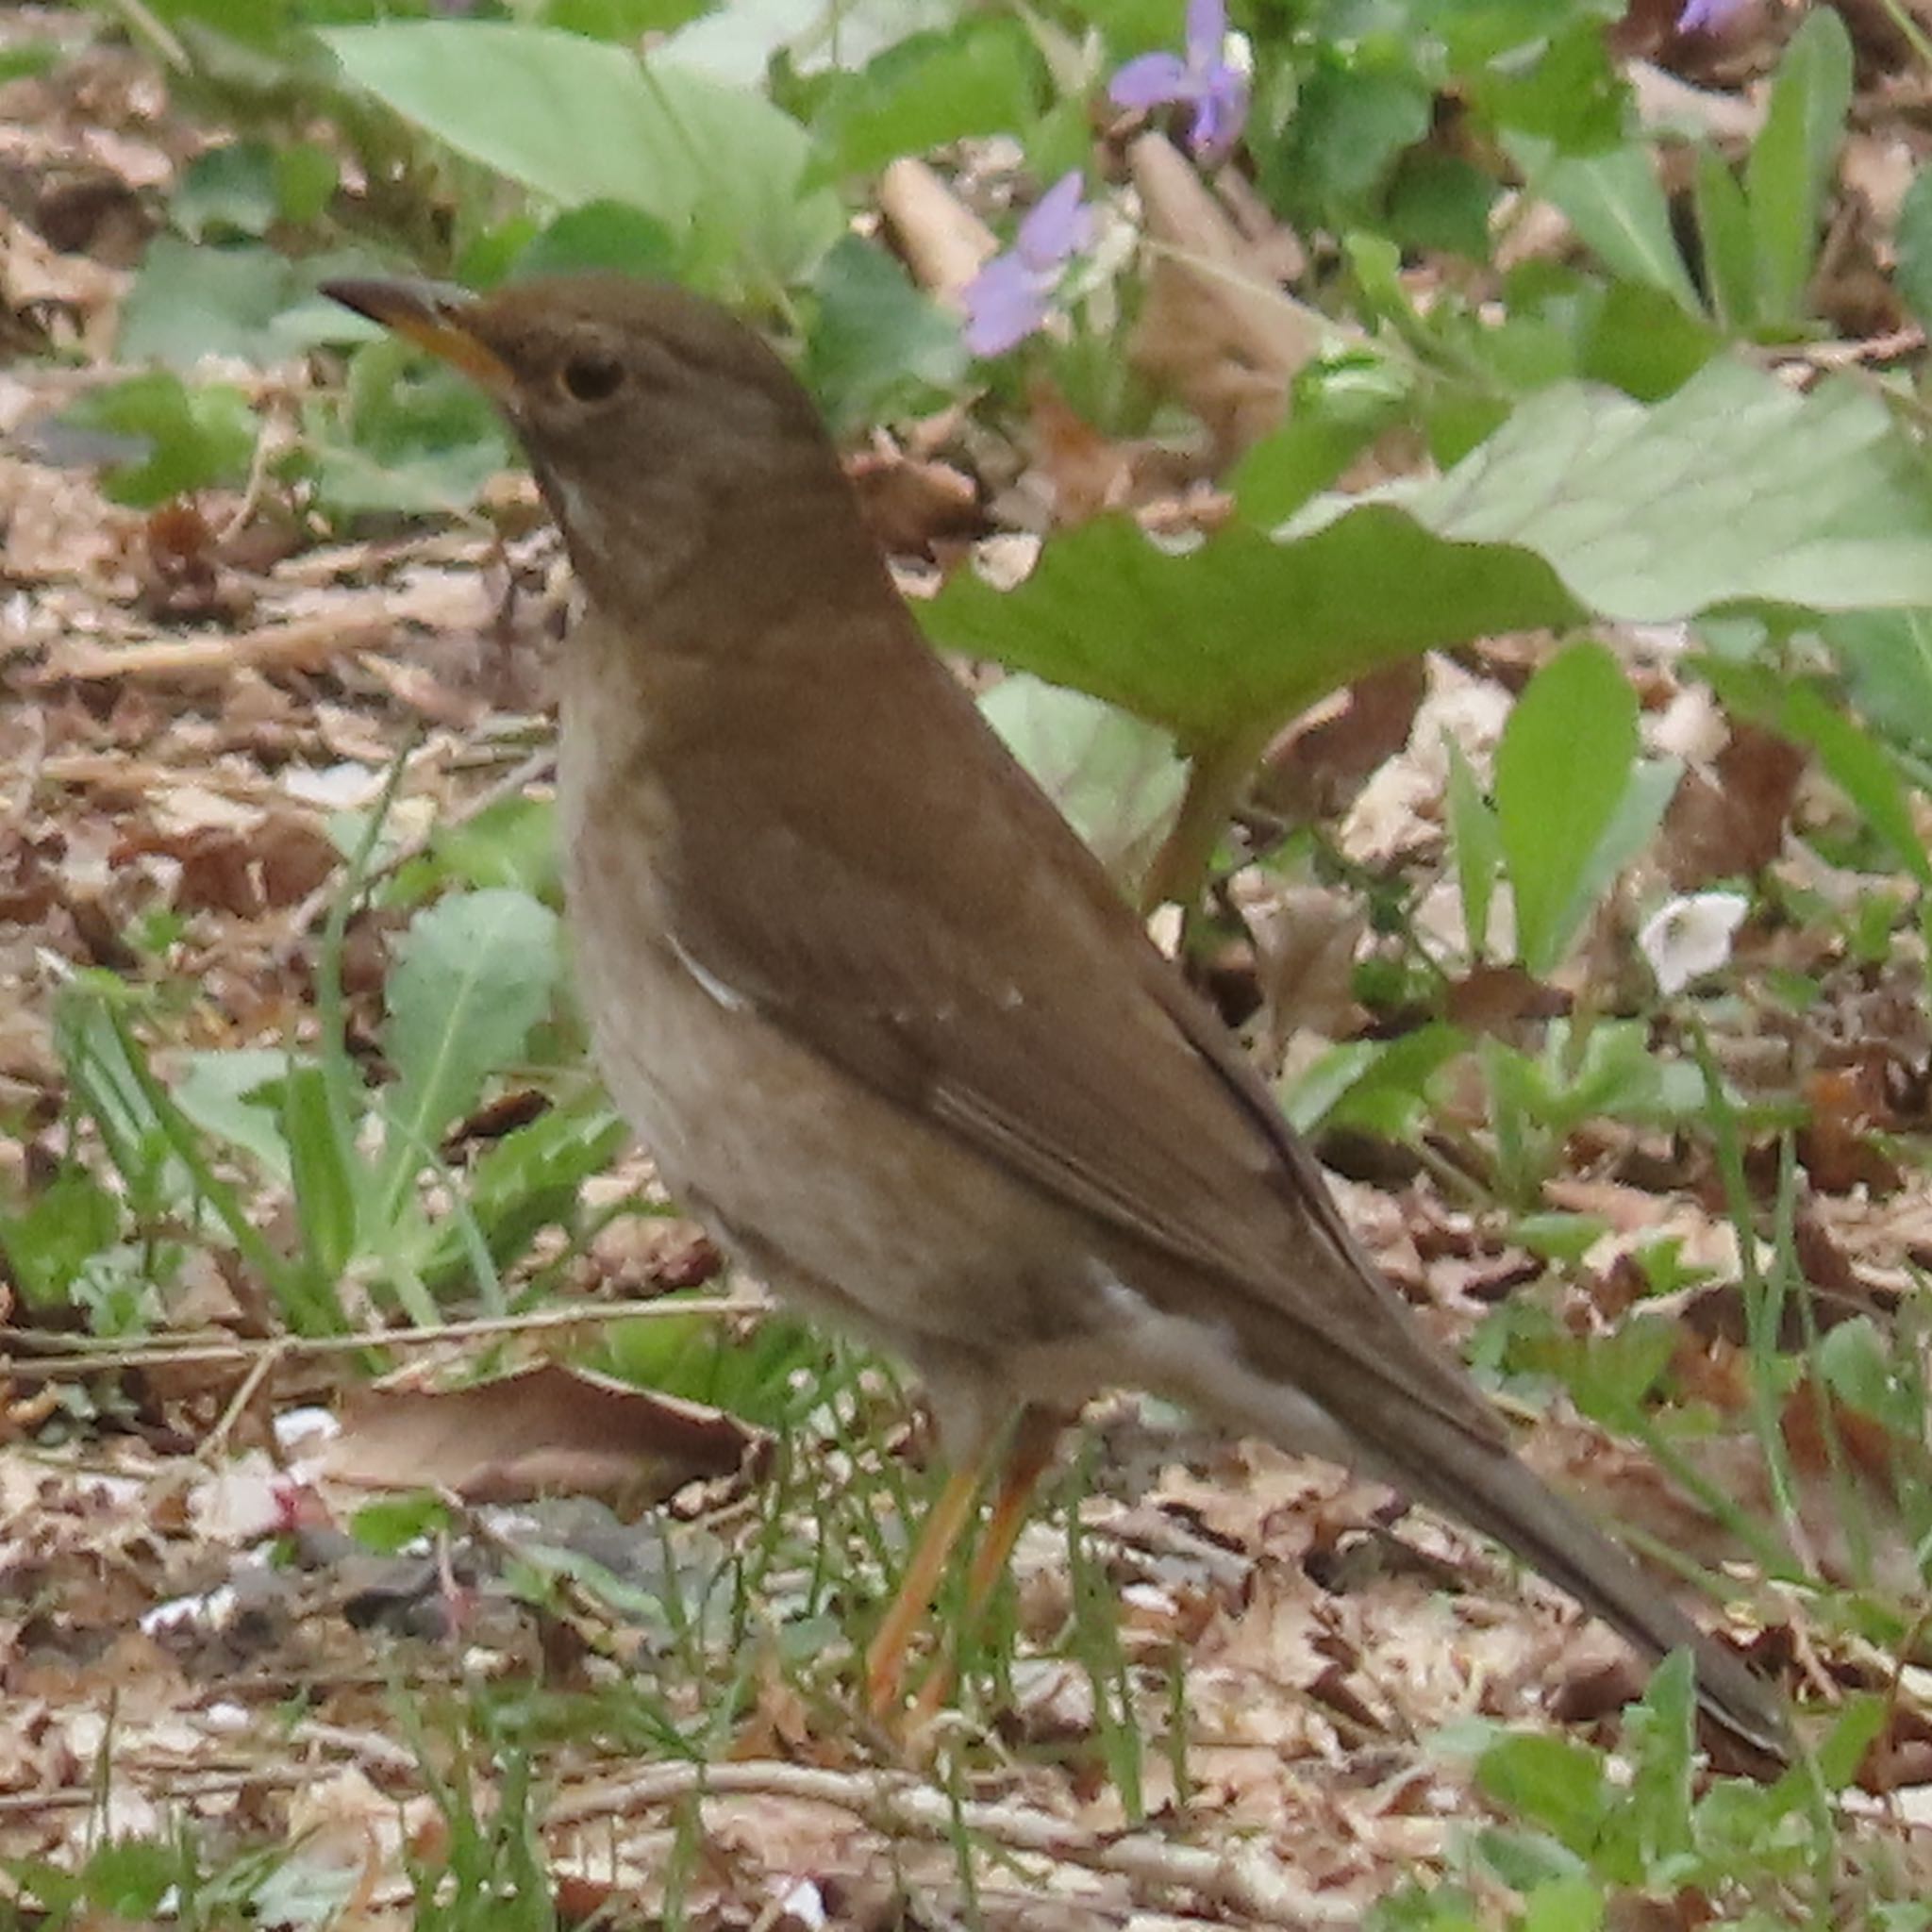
1243	1879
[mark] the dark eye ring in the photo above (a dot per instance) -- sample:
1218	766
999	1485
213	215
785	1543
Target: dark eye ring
593	377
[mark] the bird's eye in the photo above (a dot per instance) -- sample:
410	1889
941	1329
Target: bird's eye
593	377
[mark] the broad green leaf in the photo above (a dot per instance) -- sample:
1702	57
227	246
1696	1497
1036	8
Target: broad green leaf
1734	490
1639	340
578	121
246	302
1793	158
876	338
1352	120
601	235
1562	768
1116	779
472	976
985	76
1887	657
1242	628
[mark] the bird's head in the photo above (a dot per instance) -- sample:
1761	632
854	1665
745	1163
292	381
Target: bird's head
650	416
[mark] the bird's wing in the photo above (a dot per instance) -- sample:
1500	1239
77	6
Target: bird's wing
963	955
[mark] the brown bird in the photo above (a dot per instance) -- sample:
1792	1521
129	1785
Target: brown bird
880	1017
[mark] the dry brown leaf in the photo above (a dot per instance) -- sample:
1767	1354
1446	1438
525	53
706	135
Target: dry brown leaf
1217	330
547	1431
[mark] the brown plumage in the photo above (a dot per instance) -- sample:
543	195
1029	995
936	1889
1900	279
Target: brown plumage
878	1014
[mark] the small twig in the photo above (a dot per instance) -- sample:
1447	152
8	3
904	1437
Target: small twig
80	1356
539	765
303	642
1243	1879
212	1450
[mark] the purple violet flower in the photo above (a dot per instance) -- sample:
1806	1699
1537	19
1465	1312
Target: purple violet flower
1011	296
1708	16
1200	79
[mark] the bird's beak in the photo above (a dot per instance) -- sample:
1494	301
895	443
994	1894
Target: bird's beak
436	317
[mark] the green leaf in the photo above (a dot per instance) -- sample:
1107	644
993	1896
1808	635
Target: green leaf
1116	779
1654	1824
1734	489
1643	343
235	1095
1857	762
196	439
1619	210
876	338
1376	1087
1242	628
472	976
1565	1904
1793	159
59	1232
1341	404
1353	118
1557	1784
323	1171
601	235
529	1179
187	303
1887	657
1861	768
1725	228
393	1523
1478	848
1914	243
1562	768
985	76
227	191
1440	201
577	120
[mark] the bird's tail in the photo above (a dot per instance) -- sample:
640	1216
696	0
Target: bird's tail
1491	1488
1453	1453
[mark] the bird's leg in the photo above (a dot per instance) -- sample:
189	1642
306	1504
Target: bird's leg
885	1659
1029	1454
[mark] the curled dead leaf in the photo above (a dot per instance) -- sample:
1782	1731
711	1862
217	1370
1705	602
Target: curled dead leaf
546	1431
